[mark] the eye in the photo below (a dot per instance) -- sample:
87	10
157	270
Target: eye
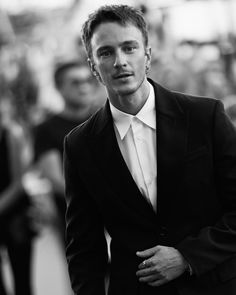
105	53
129	49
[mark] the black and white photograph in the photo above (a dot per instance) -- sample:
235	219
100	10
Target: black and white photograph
118	147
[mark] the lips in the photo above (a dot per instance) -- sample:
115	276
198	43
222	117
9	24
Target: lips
122	75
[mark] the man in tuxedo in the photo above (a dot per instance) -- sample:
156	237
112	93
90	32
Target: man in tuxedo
156	169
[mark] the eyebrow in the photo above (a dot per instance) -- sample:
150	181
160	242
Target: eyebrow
130	42
104	48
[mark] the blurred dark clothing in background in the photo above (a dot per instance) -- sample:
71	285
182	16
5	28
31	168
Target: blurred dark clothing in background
17	231
49	138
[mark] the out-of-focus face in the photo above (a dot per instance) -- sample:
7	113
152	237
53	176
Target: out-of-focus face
77	87
120	58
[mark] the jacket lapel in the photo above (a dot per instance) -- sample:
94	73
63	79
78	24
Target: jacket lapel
111	163
172	122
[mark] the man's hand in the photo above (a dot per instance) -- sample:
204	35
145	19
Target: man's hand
161	264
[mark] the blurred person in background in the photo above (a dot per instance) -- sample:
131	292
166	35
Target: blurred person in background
78	88
16	226
156	168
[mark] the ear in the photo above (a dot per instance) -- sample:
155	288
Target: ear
148	52
94	70
92	66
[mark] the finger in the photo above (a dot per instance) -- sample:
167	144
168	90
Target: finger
146	272
151	279
148	252
158	282
146	264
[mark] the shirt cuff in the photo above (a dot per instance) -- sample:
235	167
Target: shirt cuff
189	269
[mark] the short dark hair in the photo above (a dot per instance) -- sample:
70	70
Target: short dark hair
62	67
122	14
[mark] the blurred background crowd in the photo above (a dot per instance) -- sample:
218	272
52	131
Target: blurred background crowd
46	86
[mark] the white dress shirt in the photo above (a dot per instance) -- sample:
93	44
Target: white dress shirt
136	137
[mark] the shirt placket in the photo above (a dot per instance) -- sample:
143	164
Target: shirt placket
141	151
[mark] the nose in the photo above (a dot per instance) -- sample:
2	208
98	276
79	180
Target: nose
120	60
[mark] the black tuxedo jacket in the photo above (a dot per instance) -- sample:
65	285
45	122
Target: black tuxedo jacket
196	200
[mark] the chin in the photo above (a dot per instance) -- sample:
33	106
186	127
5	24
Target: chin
126	90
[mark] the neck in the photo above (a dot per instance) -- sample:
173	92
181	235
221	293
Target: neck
131	103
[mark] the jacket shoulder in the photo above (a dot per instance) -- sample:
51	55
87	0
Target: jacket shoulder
84	129
195	102
201	110
183	102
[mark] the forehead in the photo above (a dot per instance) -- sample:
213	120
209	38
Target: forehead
112	34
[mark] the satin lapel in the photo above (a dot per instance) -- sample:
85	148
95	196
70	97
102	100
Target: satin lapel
107	155
172	122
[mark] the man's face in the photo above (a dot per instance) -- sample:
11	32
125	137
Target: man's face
77	86
119	57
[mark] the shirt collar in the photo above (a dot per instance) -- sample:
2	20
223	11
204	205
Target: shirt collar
147	115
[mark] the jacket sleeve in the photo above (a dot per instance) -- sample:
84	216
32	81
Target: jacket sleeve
86	249
216	243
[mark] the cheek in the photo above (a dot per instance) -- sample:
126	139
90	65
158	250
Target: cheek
104	71
140	64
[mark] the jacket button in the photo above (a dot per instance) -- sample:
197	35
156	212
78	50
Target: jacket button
163	231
